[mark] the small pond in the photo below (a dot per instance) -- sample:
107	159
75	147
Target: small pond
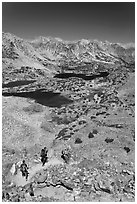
17	83
83	76
45	98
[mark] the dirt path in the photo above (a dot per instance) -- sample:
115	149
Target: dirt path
21	181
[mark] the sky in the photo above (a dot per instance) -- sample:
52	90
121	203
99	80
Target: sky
114	22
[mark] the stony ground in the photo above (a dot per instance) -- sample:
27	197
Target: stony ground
99	130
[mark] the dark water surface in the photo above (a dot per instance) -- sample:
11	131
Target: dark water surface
45	98
17	83
83	76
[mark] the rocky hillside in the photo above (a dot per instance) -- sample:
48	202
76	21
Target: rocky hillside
74	96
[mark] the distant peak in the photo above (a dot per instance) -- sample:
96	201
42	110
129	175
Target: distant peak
42	39
84	41
59	39
129	45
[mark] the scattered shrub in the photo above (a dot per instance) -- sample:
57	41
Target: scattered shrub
82	122
95	131
92	117
127	149
78	141
109	140
90	135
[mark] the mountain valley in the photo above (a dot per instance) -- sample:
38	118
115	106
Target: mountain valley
78	96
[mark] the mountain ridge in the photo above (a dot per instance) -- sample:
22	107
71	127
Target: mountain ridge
52	54
57	46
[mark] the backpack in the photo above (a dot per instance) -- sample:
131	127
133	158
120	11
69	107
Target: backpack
43	153
23	167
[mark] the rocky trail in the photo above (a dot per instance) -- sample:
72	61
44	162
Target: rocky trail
18	180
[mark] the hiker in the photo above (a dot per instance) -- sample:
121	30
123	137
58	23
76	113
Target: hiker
24	169
44	156
65	156
5	196
31	191
13	169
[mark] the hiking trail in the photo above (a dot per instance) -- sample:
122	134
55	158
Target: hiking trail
18	180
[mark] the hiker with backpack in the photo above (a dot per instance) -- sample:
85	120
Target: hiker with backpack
44	156
24	169
66	155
